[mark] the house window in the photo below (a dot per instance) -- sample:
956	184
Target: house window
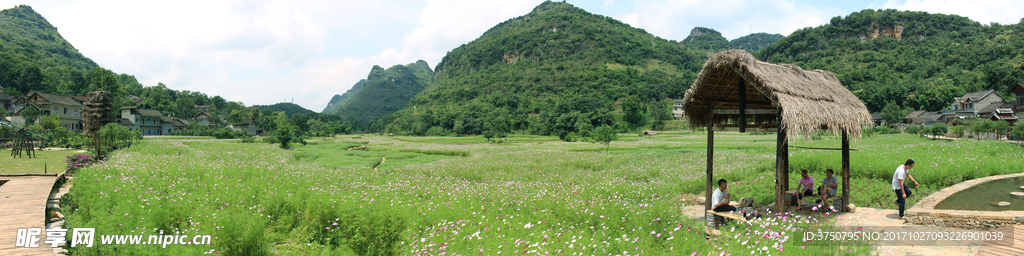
65	111
1020	99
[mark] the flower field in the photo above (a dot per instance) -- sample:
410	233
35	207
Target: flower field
534	197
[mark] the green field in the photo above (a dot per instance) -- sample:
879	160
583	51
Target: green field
51	160
454	195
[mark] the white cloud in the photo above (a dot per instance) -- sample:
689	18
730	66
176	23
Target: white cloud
673	19
263	52
984	11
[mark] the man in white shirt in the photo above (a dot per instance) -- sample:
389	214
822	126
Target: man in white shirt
720	198
898	186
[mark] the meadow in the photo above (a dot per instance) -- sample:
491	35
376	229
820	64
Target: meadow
463	196
49	161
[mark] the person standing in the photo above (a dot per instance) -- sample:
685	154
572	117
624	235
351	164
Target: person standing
721	198
899	186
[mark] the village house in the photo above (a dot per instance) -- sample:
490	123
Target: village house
148	121
909	119
248	126
677	109
971	104
1018	102
69	109
7	102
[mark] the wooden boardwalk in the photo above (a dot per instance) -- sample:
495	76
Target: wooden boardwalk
23	205
1005	247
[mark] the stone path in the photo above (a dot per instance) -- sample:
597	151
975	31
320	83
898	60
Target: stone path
882	220
23	205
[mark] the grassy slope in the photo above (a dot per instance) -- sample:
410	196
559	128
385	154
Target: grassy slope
535	196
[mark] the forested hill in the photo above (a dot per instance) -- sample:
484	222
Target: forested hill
287	107
33	56
915	59
339	99
385	91
755	42
702	38
522	70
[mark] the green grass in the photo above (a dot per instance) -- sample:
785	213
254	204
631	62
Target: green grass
52	159
180	138
434	195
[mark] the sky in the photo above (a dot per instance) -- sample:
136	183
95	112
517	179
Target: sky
306	51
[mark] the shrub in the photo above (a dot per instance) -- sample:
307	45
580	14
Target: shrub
77	161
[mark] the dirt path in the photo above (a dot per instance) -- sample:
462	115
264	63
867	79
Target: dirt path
23	205
382	159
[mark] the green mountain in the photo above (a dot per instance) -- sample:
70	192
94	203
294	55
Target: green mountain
33	56
339	99
287	107
755	42
914	59
385	91
702	38
534	72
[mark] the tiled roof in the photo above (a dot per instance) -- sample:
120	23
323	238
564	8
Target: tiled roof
63	100
149	112
914	114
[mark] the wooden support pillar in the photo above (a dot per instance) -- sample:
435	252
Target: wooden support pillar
711	159
846	170
743	106
785	164
780	162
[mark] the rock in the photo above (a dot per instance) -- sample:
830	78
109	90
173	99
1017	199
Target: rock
1017	194
701	200
1001	204
851	208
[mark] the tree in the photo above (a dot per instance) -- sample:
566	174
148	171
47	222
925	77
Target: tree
1018	132
892	113
605	135
937	130
912	129
285	135
661	111
29	113
51	121
633	111
1000	127
3	112
958	130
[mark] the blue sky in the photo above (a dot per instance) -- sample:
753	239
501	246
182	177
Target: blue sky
264	52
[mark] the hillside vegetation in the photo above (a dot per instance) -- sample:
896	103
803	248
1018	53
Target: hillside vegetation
915	59
386	91
532	73
340	99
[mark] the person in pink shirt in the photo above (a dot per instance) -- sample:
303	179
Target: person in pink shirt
806	185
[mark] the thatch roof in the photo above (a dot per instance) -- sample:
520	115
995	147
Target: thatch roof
809	100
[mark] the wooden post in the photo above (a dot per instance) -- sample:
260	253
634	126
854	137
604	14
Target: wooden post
743	106
711	158
846	170
785	164
780	162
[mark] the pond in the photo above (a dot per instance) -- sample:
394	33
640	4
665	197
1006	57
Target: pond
982	196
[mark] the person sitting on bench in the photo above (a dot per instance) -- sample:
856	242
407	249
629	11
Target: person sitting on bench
828	186
804	187
720	198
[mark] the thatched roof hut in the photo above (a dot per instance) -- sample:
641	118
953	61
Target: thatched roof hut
733	84
809	100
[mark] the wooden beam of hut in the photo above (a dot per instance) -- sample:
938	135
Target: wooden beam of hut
846	171
743	106
711	159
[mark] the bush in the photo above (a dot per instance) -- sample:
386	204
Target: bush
77	161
